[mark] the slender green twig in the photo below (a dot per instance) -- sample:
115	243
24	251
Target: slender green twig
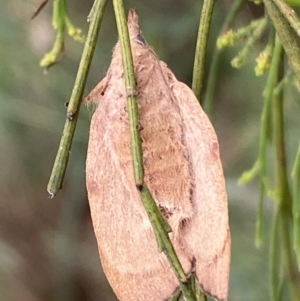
283	190
260	166
62	157
231	37
266	127
239	60
60	21
275	263
289	14
287	254
165	244
200	53
214	66
287	78
159	225
136	145
296	205
200	295
177	296
288	36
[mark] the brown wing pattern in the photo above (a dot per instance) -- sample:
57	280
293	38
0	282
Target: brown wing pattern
182	170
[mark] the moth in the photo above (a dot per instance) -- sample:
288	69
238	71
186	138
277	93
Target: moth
182	170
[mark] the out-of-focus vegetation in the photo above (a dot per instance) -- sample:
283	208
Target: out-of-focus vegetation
47	247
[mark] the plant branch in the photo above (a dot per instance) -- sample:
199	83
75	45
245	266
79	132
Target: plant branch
289	14
296	207
62	157
136	144
287	34
260	166
260	26
275	263
201	47
283	190
60	21
214	66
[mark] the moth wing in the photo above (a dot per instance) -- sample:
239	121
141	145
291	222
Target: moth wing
126	242
207	234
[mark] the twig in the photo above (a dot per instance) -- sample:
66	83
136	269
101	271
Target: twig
266	129
287	34
61	160
160	226
213	71
38	10
136	145
289	14
296	205
200	53
283	191
260	26
275	263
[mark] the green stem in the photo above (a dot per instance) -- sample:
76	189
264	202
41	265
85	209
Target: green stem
287	254
136	144
260	215
62	157
284	195
165	243
289	14
200	53
296	206
274	259
288	36
265	137
160	226
58	23
257	33
214	66
177	296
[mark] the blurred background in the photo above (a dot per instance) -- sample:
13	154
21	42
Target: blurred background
47	246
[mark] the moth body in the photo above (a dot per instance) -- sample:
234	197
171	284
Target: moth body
182	170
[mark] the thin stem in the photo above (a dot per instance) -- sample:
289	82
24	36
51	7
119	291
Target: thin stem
200	295
265	137
165	244
257	33
62	157
160	226
288	36
287	254
58	23
274	259
296	205
289	14
136	144
200	53
177	296
38	10
214	66
284	195
260	215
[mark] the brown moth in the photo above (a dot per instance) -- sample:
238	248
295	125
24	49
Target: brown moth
182	170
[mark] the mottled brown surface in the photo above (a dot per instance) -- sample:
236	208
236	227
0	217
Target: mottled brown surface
182	170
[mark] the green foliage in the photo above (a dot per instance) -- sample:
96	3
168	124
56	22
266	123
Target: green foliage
60	22
283	268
